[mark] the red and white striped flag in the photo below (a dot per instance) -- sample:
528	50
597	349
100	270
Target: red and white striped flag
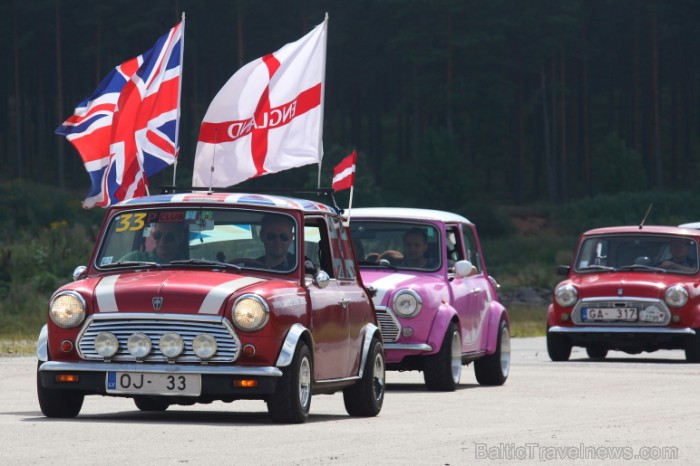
267	118
344	173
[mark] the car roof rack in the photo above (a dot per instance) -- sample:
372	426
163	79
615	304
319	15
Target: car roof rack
320	192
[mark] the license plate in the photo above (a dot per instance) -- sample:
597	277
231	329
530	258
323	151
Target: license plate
604	314
154	384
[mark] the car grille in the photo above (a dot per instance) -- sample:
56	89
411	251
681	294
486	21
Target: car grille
154	327
640	304
389	325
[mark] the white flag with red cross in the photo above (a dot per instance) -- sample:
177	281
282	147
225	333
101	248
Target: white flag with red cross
267	118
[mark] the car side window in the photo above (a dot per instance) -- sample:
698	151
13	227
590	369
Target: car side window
470	247
317	245
454	251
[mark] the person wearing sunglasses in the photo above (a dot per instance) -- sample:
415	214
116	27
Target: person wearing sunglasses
170	239
276	234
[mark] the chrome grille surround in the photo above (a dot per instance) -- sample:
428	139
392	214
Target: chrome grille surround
391	329
619	302
155	325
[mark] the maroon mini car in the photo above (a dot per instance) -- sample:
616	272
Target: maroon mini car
197	297
630	289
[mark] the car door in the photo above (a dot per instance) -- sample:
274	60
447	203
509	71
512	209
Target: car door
466	291
329	309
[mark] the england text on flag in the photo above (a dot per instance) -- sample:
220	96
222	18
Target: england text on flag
267	118
127	129
344	173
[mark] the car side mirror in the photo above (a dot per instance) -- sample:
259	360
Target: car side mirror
79	272
563	270
464	268
321	279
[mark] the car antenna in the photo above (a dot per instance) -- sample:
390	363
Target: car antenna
645	216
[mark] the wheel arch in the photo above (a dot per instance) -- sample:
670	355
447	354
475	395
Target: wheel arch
297	333
369	332
496	312
444	316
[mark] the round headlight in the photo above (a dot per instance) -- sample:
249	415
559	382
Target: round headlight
407	303
676	296
67	309
106	344
139	345
204	346
566	295
250	312
171	344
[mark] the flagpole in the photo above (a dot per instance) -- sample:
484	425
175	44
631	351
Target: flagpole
179	100
352	190
323	97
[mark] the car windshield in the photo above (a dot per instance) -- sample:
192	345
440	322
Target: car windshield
675	254
194	237
395	245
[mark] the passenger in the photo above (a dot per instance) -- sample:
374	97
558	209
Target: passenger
276	234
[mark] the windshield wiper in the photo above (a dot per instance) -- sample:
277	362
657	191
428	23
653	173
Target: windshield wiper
598	267
643	267
386	263
224	265
131	264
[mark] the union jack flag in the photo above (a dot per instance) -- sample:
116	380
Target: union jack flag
127	130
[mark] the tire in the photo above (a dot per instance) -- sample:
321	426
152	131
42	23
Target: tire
596	352
442	371
366	397
558	347
692	347
151	403
292	398
494	368
58	403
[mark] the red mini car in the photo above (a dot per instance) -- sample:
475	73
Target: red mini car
195	297
631	289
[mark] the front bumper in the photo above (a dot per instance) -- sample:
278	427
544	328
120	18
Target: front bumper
217	381
633	339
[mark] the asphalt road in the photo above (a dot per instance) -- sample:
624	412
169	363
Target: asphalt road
624	410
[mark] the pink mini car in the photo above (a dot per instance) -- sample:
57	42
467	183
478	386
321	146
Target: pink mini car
437	307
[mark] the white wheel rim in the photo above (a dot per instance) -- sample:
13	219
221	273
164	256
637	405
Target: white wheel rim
505	351
304	382
456	357
378	377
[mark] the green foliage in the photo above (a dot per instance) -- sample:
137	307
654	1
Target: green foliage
628	208
616	167
45	235
518	261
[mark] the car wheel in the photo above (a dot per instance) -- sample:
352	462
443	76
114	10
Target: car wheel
494	368
58	403
596	352
292	398
151	403
443	370
692	347
366	397
558	347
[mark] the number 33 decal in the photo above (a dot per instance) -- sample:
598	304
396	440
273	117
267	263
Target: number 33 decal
132	222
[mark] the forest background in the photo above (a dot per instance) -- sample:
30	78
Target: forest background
534	119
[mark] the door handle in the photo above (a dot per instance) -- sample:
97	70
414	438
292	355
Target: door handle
344	302
476	290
